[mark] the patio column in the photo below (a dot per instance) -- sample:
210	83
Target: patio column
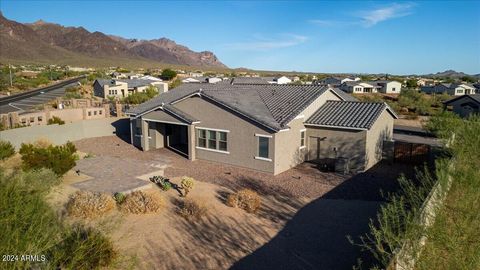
144	138
191	142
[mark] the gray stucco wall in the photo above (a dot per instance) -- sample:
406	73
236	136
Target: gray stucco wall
242	142
345	143
60	134
380	131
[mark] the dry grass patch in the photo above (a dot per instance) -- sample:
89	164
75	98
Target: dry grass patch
246	199
193	209
89	204
140	202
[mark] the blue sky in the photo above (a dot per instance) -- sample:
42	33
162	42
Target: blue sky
359	36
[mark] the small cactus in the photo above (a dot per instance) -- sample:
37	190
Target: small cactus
187	185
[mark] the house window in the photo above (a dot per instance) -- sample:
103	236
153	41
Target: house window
393	89
32	119
94	112
460	91
100	112
302	138
89	113
212	139
40	119
263	147
202	138
222	141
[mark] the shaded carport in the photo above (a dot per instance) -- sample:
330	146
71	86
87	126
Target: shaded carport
165	129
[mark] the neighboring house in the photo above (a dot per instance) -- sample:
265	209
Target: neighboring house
388	87
337	81
123	88
454	89
270	128
191	80
213	80
282	80
151	78
425	82
195	74
464	105
358	87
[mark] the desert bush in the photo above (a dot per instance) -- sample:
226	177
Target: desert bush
42	143
84	248
89	204
187	185
119	197
139	202
59	159
192	209
6	150
55	120
246	199
162	182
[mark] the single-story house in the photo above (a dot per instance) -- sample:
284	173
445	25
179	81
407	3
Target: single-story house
122	88
282	80
192	80
269	128
464	105
337	81
359	87
388	87
454	89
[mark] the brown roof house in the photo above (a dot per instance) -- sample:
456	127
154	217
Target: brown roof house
269	128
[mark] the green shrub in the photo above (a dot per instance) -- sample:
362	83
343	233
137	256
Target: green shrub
55	120
84	248
6	150
60	159
119	197
162	182
187	185
30	226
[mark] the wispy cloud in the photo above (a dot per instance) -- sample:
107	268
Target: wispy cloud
368	18
372	17
260	43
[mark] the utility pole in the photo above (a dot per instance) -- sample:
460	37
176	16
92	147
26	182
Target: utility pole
10	71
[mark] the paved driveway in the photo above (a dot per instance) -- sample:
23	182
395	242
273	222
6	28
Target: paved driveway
114	174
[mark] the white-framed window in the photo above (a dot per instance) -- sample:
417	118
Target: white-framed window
263	147
302	138
393	89
212	139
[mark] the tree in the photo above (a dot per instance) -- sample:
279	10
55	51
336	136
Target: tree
168	74
412	83
151	91
468	79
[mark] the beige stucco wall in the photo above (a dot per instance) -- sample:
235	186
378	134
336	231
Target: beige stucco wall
380	131
348	143
242	142
287	143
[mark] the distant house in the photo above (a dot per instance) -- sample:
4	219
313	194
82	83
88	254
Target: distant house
388	87
151	78
191	80
123	88
425	82
337	81
358	87
213	80
269	128
282	80
453	89
464	105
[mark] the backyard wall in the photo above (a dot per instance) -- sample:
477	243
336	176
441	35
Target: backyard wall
59	134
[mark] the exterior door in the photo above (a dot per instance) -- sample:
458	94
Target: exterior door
314	148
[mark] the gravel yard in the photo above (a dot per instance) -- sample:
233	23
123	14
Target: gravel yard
305	180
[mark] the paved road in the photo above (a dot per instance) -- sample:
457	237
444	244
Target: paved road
32	100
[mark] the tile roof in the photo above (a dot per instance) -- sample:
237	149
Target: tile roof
273	106
248	80
475	98
351	114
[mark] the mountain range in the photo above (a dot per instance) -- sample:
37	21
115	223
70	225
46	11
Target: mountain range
451	74
53	43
